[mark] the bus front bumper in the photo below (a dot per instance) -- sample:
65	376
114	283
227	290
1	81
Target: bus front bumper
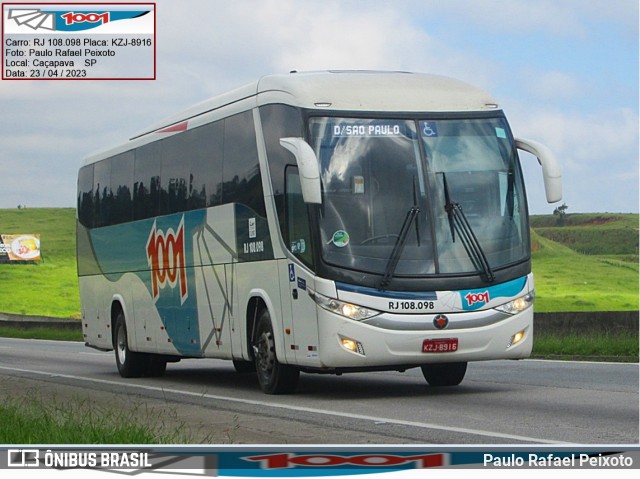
352	345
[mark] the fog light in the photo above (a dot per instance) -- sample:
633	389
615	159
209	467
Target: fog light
352	345
516	338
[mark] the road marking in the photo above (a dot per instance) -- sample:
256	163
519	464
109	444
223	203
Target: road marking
325	412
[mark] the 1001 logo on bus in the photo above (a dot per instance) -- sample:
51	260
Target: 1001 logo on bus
166	257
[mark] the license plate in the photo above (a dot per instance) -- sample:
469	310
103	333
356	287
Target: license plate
447	345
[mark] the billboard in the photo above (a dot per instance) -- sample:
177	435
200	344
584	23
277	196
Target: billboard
19	248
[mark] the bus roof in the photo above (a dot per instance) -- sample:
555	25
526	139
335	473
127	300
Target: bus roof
350	91
369	91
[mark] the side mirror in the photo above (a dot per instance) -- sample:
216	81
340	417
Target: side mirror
308	168
551	172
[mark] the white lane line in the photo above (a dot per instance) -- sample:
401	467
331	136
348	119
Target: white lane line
325	412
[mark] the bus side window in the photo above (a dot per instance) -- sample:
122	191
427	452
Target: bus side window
241	171
146	186
121	188
85	196
298	232
102	192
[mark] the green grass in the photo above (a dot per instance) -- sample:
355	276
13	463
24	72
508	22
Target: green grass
49	287
36	421
592	234
615	347
589	263
54	334
569	281
566	278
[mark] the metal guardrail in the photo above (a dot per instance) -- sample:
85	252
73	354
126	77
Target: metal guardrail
20	321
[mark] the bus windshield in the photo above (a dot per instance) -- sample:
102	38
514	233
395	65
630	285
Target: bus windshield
449	189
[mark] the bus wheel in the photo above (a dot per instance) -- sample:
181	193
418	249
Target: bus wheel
274	377
130	364
445	374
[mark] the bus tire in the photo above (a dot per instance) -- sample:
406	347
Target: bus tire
444	374
273	376
130	364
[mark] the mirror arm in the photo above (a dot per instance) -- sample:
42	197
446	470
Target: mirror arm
308	168
551	171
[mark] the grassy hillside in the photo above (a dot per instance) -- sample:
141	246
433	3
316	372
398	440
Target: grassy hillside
588	262
50	287
592	234
567	279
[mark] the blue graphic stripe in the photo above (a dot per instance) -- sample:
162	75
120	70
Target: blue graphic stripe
505	290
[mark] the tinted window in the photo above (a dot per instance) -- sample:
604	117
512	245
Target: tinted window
146	181
102	192
298	235
241	172
279	121
121	188
85	196
174	174
205	152
209	165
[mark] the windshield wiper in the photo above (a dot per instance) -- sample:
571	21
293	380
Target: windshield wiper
412	215
459	223
392	262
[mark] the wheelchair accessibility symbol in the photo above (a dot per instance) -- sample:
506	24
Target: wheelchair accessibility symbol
429	128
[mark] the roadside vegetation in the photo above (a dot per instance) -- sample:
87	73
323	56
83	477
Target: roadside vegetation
74	420
594	347
48	287
585	262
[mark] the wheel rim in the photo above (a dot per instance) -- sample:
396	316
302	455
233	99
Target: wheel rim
121	341
266	356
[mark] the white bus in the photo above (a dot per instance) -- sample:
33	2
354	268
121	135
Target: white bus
324	222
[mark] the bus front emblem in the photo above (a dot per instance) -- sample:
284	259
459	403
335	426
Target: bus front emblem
441	321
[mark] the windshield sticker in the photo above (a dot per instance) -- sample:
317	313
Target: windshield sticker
368	130
340	238
358	185
429	128
500	133
299	246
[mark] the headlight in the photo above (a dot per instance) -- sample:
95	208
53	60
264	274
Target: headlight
348	310
518	304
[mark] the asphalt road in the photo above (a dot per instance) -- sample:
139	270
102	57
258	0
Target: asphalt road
499	402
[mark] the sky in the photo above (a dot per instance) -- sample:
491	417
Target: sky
564	71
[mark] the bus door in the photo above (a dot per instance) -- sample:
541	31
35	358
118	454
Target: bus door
303	309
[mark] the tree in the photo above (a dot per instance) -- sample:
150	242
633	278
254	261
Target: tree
561	212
